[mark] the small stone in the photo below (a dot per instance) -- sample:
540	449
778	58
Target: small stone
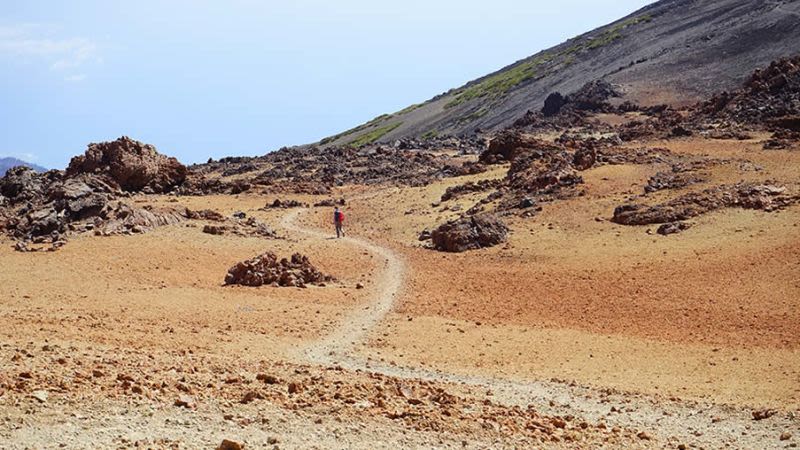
41	396
359	286
644	436
294	387
185	401
762	414
267	379
785	436
250	396
272	440
229	445
97	373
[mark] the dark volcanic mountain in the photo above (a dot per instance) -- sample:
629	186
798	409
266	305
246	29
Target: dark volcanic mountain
7	163
674	51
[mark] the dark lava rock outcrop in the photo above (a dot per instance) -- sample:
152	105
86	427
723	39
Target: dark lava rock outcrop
44	207
132	165
286	204
266	269
469	233
770	96
506	145
748	196
673	228
671	180
469	187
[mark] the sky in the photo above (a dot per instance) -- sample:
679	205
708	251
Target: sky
200	79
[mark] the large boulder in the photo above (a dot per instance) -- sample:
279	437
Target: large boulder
507	145
132	165
553	104
593	96
470	233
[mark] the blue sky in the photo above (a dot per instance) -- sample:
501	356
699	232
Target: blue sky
202	79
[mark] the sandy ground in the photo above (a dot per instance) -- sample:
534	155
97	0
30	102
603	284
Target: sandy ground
678	337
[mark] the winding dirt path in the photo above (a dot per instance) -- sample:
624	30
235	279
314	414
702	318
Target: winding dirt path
353	328
670	421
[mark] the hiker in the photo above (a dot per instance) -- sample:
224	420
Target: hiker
338	220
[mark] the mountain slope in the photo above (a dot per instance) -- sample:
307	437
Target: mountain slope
673	51
7	163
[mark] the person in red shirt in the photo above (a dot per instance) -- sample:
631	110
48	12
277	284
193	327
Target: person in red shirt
338	220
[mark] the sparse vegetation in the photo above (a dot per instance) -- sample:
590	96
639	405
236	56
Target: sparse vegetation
607	37
374	135
362	127
408	109
474	115
501	82
430	134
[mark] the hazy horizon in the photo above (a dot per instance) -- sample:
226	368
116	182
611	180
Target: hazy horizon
203	79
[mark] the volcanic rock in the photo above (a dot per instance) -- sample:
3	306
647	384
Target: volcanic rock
584	158
266	269
206	214
215	229
469	233
553	104
132	165
770	96
468	188
229	445
506	145
593	96
125	219
21	184
544	167
671	180
672	228
286	204
748	196
250	227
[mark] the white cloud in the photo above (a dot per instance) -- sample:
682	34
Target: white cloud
29	42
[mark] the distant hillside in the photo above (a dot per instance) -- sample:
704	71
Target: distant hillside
7	163
673	51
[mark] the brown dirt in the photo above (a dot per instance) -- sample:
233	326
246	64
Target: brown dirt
683	335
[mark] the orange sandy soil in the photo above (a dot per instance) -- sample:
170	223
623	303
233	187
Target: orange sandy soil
138	290
711	313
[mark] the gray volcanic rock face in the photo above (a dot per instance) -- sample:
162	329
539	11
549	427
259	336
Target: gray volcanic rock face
673	51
